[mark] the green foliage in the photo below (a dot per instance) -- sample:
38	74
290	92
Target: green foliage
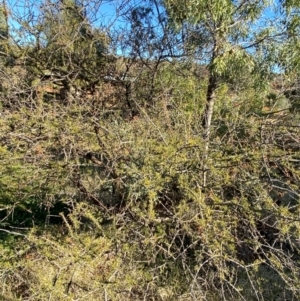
99	205
160	234
185	92
66	46
3	28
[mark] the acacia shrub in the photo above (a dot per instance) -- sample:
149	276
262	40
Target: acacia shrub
137	218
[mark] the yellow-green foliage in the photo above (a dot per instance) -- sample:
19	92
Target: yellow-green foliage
182	88
103	208
167	225
110	188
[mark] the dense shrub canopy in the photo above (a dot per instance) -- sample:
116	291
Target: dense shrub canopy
151	156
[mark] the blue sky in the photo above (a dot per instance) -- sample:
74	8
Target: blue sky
26	9
105	16
106	12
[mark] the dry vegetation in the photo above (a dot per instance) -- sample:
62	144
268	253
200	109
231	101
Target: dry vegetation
102	193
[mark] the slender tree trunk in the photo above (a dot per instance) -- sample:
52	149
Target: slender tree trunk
208	113
209	109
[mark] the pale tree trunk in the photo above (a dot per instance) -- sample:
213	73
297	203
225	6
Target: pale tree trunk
208	113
